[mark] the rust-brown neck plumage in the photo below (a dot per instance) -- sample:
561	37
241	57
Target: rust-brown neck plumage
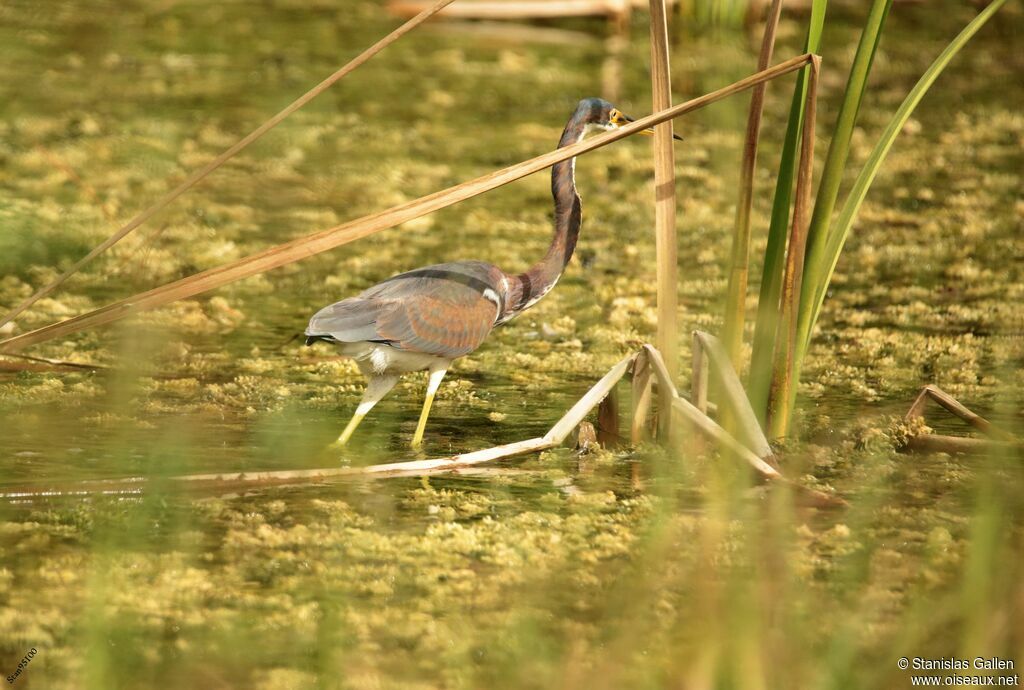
529	287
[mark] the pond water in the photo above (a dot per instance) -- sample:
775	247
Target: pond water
631	568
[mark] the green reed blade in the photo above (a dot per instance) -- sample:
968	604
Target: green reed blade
828	191
774	258
736	292
814	294
838	151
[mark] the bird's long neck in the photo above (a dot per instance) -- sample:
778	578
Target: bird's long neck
529	287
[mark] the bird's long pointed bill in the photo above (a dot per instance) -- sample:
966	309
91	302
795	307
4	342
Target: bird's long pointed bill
650	132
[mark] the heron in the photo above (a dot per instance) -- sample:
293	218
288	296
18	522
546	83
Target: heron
426	318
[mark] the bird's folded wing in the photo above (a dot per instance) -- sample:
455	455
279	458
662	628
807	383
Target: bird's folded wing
350	321
449	325
445	310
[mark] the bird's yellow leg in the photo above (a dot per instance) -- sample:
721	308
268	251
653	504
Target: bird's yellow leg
347	433
376	388
432	385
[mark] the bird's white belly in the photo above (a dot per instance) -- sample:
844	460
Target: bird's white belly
375	359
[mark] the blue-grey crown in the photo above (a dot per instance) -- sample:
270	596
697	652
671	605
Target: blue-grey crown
593	110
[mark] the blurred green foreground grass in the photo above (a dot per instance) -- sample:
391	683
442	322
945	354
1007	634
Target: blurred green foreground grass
553	571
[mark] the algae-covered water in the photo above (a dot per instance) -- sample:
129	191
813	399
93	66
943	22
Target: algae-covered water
636	568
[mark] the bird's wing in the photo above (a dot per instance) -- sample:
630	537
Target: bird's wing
445	310
349	321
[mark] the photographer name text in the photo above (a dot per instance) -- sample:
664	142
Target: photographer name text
978	663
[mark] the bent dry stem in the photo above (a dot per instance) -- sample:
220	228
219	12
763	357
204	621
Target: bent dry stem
670	403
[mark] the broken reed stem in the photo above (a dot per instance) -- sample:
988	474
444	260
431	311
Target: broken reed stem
957	409
736	294
737	404
325	240
515	32
520	9
198	175
641	397
667	392
699	376
960	445
561	430
608	421
782	389
55	362
666	245
555	437
646	364
670	402
232	480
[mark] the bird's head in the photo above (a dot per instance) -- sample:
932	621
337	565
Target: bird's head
598	114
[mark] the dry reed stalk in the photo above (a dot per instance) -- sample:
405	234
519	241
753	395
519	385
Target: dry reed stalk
52	363
576	414
664	193
608	420
641	397
736	294
9	367
711	429
249	480
198	175
325	240
230	483
555	437
782	388
232	480
654	366
517	9
586	441
738	404
957	409
516	33
960	445
666	389
673	403
699	376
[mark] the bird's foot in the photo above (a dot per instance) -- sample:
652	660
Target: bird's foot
417	438
337	451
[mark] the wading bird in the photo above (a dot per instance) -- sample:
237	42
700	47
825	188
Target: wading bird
424	319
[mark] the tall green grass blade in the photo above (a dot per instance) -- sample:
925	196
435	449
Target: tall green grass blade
736	292
828	192
780	398
775	252
814	294
838	152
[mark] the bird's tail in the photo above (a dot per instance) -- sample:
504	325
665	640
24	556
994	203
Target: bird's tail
310	339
